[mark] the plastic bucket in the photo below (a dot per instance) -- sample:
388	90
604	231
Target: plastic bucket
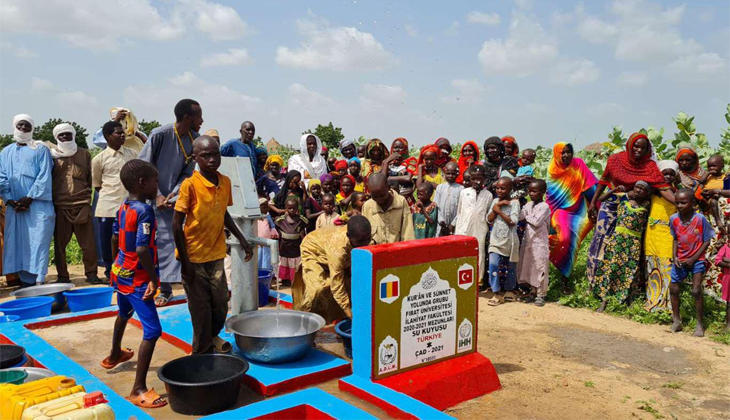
28	308
344	330
89	298
265	277
8	318
15	377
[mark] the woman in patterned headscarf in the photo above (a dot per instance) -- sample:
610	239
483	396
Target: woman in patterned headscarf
400	167
269	184
497	163
375	155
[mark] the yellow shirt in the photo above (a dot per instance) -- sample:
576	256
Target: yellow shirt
658	240
205	206
715	182
105	169
392	225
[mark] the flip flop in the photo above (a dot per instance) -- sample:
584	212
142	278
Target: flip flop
149	399
221	345
162	300
126	355
496	300
509	296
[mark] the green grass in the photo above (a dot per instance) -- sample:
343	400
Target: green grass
589	384
581	296
673	385
646	406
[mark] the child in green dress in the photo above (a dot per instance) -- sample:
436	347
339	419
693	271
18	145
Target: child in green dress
425	218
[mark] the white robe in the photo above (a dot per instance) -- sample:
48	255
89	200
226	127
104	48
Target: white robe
471	219
309	169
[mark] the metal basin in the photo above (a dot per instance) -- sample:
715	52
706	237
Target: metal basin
54	290
274	336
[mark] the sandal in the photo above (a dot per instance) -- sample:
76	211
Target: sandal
496	300
163	299
528	299
149	399
509	296
221	345
126	355
540	301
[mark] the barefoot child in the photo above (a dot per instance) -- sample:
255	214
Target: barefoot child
692	234
328	216
471	215
292	227
504	245
535	252
447	199
425	219
135	276
198	228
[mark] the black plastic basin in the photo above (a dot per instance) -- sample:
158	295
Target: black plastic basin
10	355
203	384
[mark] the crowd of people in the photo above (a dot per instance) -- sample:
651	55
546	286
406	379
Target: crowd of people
159	216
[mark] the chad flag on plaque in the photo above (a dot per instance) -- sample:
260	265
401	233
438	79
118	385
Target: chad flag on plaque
389	288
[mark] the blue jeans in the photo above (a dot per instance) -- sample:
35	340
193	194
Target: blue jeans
502	272
105	242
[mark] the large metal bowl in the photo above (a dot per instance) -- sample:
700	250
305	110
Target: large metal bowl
54	290
274	336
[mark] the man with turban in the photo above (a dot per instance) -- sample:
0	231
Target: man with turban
72	200
25	187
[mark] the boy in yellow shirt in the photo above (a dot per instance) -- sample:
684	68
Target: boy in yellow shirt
200	216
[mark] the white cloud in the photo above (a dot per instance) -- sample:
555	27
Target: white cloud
382	96
527	49
575	73
468	92
234	57
490	19
411	30
454	28
334	48
302	97
94	24
696	67
632	78
605	109
39	85
17	50
596	31
63	97
77	98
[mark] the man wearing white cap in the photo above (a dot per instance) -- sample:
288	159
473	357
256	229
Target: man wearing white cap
72	199
25	186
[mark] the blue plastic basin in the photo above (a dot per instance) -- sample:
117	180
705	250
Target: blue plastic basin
89	298
264	286
344	330
8	318
28	308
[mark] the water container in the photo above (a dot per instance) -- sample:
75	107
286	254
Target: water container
15	377
28	308
14	399
88	298
71	407
264	286
8	318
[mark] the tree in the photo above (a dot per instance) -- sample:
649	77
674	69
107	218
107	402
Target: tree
258	141
147	126
5	140
330	135
45	132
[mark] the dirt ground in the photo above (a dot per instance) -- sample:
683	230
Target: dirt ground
554	363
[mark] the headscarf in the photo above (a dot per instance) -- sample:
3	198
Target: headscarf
311	169
262	200
624	169
464	163
284	192
341	164
566	184
355	159
354	183
21	137
273	159
211	132
368	167
425	149
372	144
440	159
689	180
347	142
261	151
504	163
130	126
64	148
410	163
326	178
312	183
668	164
513	142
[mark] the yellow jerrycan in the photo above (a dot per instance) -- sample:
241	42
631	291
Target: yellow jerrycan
14	399
79	406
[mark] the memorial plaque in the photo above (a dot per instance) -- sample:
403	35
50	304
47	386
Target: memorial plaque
423	313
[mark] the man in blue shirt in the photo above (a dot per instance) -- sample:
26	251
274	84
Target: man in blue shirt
243	147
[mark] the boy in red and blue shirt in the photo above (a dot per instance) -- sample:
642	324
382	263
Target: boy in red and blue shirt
135	276
692	234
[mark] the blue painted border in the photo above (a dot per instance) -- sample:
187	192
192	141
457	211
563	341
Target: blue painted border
362	313
401	401
314	397
283	296
53	359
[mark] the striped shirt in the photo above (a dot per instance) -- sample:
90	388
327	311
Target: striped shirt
135	226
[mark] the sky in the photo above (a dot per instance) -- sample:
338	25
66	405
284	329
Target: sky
465	70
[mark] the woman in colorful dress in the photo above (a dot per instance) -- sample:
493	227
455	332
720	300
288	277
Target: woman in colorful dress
401	168
620	273
428	171
658	242
444	153
468	156
511	148
570	187
635	163
354	166
497	163
375	154
269	184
